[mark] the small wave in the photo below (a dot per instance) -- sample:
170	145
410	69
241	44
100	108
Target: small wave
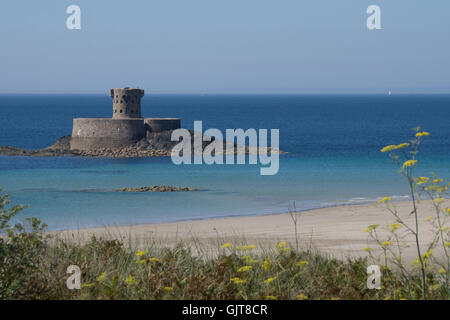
103	171
64	190
400	197
361	200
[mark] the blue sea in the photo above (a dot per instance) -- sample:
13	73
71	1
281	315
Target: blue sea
333	142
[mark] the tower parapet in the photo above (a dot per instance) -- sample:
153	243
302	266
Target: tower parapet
126	102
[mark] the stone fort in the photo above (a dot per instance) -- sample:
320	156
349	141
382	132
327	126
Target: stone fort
126	127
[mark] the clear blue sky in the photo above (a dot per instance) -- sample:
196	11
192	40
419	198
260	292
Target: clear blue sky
225	46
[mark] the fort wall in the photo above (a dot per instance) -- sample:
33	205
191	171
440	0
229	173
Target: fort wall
88	134
161	124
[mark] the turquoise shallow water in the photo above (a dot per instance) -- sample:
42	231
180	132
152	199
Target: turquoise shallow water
333	144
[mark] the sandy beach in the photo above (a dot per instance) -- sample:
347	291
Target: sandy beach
338	231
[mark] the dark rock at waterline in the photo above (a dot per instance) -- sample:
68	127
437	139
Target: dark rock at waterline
60	148
156	144
154	189
61	144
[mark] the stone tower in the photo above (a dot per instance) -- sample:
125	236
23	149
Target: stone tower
126	103
124	129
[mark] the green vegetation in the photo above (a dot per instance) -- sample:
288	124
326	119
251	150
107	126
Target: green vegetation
434	272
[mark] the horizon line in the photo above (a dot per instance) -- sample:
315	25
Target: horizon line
237	93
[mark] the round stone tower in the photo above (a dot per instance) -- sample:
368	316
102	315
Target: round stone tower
124	129
126	102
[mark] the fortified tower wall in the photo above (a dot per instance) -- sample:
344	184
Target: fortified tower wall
91	134
126	103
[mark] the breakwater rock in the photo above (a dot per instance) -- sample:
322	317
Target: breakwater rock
154	189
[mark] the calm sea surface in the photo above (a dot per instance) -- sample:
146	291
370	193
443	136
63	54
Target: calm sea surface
333	144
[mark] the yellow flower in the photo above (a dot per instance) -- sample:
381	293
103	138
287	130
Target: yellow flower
227	245
88	285
433	188
422	134
389	148
386	243
395	226
302	297
368	249
384	200
130	280
302	263
282	244
447	244
141	253
428	219
410	163
435	286
439	200
250	247
245	268
249	259
266	264
269	280
437	180
238	280
371	227
154	260
101	277
283	249
441	270
421	180
428	254
402	145
335	298
141	261
447	209
168	289
271	298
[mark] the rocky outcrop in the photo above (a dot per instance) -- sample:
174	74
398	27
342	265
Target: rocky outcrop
156	144
126	152
60	148
154	189
61	144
